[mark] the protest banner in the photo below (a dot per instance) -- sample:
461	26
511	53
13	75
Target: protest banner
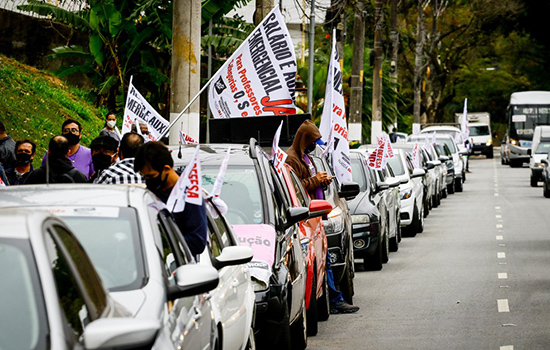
260	77
333	119
377	159
137	108
278	156
186	139
464	123
188	188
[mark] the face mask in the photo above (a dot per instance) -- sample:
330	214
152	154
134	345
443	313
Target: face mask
23	158
101	161
310	148
111	123
72	138
156	184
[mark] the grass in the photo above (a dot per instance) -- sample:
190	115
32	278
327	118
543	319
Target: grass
34	104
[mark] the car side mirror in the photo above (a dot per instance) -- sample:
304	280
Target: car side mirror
193	279
544	161
418	173
404	181
233	255
319	207
295	215
443	158
349	190
120	332
529	152
430	165
393	182
381	186
463	153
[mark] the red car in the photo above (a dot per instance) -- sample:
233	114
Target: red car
314	246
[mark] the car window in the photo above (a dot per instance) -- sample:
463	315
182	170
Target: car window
450	143
23	315
396	165
543	148
303	198
358	174
112	239
282	198
479	130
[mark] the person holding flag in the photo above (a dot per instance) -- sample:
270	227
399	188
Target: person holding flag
155	164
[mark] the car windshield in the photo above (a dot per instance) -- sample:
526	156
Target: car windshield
111	237
543	148
478	130
396	165
23	316
240	191
450	143
358	174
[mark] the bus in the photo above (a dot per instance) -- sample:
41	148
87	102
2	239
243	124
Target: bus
526	110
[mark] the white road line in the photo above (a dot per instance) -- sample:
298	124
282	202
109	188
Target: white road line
499	225
502	275
500	238
501	255
498	216
507	347
503	305
497	208
496	194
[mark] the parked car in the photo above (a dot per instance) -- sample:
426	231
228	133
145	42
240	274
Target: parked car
440	170
139	253
369	219
538	151
314	243
338	227
52	296
233	301
262	217
446	157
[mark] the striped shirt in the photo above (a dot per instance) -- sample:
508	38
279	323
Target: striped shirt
120	173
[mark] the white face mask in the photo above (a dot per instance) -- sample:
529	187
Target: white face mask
111	123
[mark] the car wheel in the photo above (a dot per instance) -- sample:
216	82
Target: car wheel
434	201
458	185
374	262
451	188
490	155
276	335
420	221
312	314
251	343
413	227
502	161
533	181
386	248
514	163
298	330
346	285
545	190
323	304
444	192
426	207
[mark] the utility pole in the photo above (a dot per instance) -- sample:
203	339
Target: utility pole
376	127
418	67
311	54
185	74
395	46
263	7
356	95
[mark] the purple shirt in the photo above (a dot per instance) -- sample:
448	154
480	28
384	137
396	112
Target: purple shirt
318	191
81	159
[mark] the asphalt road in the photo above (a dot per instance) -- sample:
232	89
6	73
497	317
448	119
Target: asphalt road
478	277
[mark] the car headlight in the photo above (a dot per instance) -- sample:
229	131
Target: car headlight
258	285
537	165
360	219
406	194
489	143
514	142
335	222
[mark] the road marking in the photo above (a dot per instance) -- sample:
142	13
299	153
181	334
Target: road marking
501	255
503	305
502	275
499	225
507	347
498	216
502	245
496	194
500	238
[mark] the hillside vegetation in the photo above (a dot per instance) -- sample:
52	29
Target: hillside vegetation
34	104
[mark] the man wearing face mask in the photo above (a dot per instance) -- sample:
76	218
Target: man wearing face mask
24	155
154	162
80	156
104	154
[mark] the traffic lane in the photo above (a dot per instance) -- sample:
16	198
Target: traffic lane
439	290
526	238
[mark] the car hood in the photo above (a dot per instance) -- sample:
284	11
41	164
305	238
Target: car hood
361	204
131	300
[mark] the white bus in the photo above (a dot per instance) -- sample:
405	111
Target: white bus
526	110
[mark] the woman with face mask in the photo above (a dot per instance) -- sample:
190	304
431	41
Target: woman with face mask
110	128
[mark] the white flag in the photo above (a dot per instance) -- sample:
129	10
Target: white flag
333	119
137	108
186	139
278	156
416	156
389	148
218	184
434	140
2	183
426	144
377	159
464	124
260	77
188	188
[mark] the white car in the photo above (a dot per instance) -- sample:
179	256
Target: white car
52	296
456	135
411	191
439	172
233	301
139	253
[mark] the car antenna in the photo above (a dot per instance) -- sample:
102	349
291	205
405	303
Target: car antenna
179	152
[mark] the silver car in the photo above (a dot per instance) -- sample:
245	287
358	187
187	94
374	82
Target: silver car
139	254
51	295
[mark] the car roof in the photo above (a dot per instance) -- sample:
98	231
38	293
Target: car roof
69	194
21	223
212	154
440	127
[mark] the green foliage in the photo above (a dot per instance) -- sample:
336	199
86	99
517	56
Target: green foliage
34	105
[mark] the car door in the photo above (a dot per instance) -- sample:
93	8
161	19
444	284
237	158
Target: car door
234	289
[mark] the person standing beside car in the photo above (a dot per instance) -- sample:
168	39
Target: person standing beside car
155	164
305	141
123	172
7	148
80	156
24	155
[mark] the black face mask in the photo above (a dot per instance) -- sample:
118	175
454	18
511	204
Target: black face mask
101	161
23	158
156	184
72	138
310	148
